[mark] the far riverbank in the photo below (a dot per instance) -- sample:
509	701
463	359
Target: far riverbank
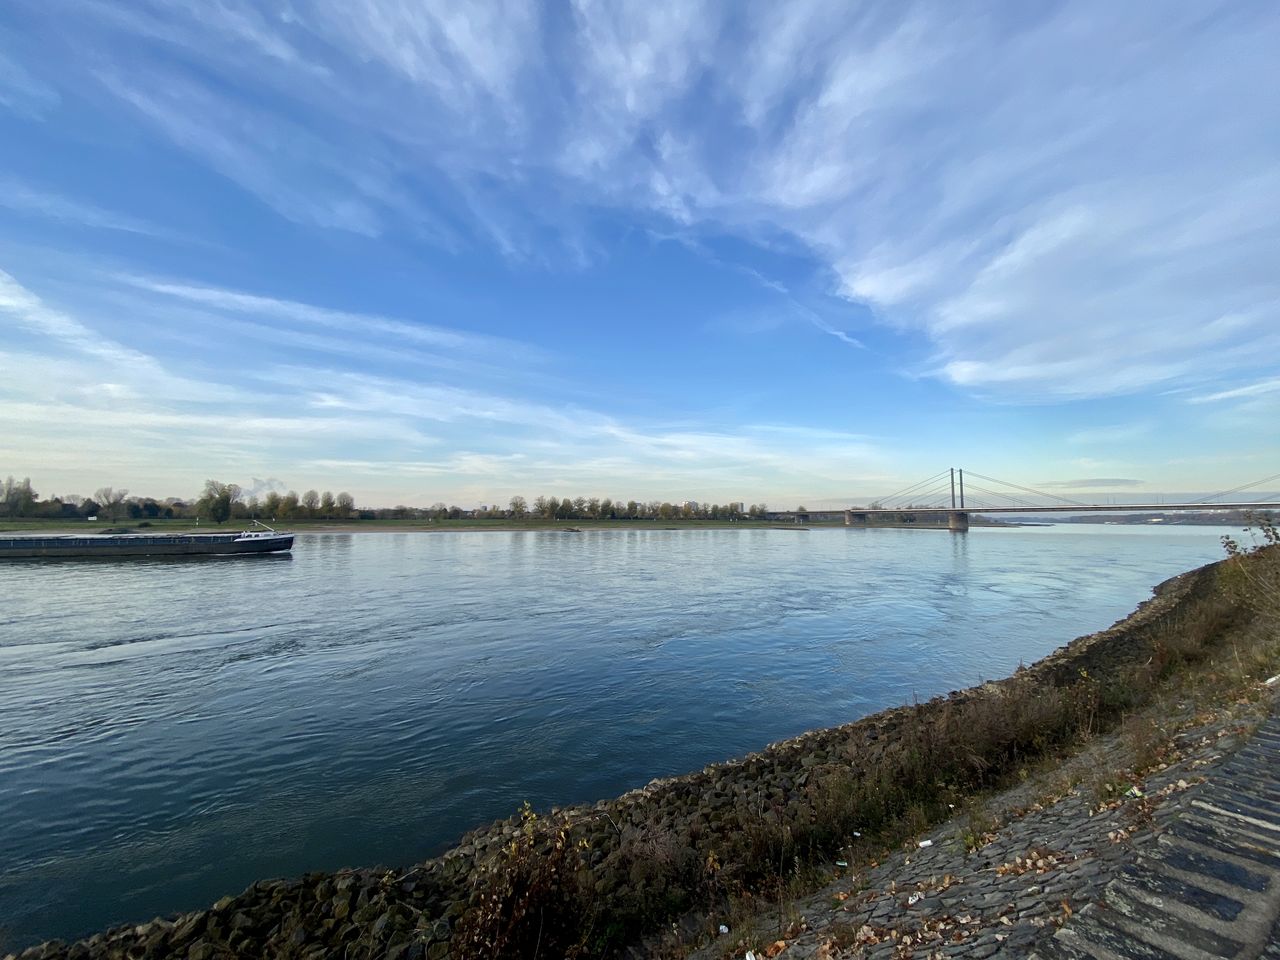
304	527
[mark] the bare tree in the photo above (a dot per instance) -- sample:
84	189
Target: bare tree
110	498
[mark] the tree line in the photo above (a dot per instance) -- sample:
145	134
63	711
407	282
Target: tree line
220	502
596	508
225	501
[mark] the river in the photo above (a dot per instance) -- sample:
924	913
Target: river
171	731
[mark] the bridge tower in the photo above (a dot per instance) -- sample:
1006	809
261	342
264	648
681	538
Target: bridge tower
957	520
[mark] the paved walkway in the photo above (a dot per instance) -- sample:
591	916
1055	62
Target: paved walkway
1209	885
1185	866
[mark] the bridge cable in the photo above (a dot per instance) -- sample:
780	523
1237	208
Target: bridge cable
894	496
1038	493
891	502
921	499
1246	486
941	491
941	504
1000	495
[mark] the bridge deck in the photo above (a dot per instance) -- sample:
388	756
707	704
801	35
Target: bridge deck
1072	508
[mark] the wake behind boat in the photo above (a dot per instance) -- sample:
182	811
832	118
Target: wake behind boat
28	547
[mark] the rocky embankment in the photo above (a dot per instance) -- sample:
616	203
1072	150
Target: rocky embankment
1148	836
590	879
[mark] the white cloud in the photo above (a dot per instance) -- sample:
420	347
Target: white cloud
1062	203
1021	187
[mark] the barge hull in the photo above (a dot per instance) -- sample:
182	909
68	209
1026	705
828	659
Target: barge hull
35	548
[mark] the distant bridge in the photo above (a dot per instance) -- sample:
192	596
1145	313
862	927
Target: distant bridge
944	495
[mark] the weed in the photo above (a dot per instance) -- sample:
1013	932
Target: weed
1106	786
978	827
1147	742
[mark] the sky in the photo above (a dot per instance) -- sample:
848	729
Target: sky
785	253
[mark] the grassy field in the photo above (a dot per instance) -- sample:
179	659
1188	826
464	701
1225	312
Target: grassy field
85	526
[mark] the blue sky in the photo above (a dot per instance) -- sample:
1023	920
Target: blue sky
765	252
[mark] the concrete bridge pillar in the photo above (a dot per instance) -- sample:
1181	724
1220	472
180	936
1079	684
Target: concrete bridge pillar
852	519
958	521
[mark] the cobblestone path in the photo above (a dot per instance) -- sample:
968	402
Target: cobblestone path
1209	886
1184	864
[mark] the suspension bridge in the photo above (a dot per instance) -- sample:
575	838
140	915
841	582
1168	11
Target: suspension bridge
953	494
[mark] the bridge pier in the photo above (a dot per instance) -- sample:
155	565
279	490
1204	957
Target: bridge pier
853	519
958	521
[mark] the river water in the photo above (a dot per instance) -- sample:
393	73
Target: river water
171	731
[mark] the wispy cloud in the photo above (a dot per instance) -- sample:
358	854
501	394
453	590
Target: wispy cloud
284	164
358	324
342	421
1112	433
840	335
22	198
1045	221
789	312
26	309
1091	483
1237	393
22	93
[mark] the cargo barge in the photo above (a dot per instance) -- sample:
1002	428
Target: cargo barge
144	545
